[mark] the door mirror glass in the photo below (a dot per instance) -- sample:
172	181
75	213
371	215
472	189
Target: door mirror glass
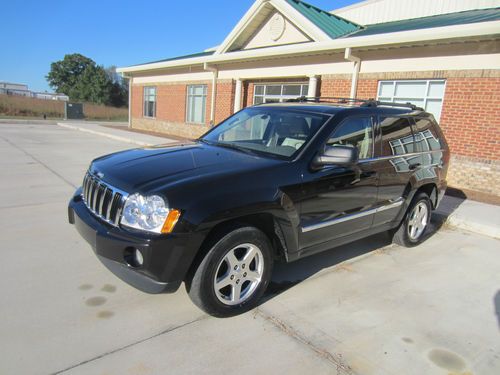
336	155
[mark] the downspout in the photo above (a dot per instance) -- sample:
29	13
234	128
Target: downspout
124	75
355	72
215	72
130	102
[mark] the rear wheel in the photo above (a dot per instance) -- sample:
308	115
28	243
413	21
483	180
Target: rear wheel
234	274
416	222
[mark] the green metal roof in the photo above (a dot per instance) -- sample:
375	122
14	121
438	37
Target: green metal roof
198	54
450	19
334	26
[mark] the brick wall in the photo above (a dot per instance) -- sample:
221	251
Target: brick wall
224	101
470	117
171	107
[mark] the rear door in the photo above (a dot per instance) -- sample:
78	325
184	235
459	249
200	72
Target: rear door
398	160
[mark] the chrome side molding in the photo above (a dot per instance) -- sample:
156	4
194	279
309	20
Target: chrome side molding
392	204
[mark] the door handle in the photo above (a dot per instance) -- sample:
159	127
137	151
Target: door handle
414	166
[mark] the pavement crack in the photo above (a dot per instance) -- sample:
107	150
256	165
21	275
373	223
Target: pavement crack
335	359
130	345
39	162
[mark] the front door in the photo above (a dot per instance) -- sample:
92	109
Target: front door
338	201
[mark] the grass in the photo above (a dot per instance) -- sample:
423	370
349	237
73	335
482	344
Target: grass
21	107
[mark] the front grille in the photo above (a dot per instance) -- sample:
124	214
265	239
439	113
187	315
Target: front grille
103	200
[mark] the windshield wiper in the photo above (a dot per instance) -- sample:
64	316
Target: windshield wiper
234	147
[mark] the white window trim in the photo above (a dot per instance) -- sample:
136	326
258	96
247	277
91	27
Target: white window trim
144	101
393	98
281	97
188	103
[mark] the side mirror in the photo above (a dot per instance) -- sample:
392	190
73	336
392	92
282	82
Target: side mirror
336	155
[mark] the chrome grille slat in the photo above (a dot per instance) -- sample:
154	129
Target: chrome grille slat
103	200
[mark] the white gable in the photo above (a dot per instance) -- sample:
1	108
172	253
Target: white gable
377	11
259	28
276	31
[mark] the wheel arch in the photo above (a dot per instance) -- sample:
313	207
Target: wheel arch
265	221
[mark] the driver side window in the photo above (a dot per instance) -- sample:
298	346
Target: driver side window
355	132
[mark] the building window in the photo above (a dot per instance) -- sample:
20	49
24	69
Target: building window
196	104
427	94
149	101
276	93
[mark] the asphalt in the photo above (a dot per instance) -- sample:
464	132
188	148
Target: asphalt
366	308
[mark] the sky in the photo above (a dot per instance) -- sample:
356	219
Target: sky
35	33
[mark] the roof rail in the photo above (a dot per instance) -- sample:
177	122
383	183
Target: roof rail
363	102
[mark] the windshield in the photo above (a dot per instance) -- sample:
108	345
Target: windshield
276	131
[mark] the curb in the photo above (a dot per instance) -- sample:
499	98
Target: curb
468	225
103	134
28	122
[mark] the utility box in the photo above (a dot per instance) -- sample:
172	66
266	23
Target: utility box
73	111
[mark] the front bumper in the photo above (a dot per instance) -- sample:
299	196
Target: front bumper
167	258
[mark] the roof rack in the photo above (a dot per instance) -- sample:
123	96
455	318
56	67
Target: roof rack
363	102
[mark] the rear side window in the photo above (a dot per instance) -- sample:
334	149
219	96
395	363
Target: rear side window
425	136
426	140
397	137
398	140
355	132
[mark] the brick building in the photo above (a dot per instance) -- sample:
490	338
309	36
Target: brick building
441	55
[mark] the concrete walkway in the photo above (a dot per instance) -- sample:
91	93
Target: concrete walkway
470	215
366	308
117	134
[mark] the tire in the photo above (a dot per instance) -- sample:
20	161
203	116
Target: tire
234	274
415	223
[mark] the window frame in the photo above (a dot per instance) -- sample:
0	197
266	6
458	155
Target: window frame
304	86
393	98
190	96
373	127
144	106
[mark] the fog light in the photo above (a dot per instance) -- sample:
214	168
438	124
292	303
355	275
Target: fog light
133	257
139	259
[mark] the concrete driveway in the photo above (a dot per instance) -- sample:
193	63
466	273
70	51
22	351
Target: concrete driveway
366	308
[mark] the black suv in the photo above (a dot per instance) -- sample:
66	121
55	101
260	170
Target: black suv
273	182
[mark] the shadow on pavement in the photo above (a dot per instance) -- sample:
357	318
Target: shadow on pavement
287	275
496	302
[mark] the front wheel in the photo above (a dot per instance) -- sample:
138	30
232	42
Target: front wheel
411	231
234	274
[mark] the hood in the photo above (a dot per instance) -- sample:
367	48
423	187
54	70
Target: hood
138	169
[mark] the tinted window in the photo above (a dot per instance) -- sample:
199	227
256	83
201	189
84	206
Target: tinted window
355	132
425	136
397	137
427	140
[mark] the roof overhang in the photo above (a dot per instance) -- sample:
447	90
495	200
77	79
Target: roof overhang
422	36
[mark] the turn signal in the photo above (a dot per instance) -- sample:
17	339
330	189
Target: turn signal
171	220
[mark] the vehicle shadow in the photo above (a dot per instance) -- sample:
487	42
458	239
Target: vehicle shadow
496	303
287	275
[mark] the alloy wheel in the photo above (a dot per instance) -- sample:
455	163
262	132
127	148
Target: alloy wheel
418	220
239	274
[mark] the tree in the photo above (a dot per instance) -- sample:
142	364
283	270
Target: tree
82	79
119	88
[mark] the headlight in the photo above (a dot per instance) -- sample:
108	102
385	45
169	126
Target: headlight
150	214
